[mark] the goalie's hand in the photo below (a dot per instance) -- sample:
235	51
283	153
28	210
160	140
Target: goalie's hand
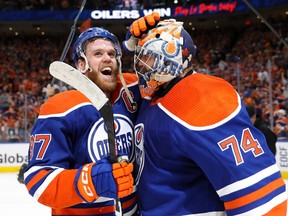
138	28
144	24
103	179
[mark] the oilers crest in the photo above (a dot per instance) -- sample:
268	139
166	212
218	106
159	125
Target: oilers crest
97	143
139	151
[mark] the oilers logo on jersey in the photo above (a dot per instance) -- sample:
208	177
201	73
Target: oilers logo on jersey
98	146
139	151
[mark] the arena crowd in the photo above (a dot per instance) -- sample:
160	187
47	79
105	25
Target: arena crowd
245	58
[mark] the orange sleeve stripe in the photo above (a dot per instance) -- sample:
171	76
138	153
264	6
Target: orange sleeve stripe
55	195
280	209
40	175
219	102
129	203
92	211
86	211
255	195
62	102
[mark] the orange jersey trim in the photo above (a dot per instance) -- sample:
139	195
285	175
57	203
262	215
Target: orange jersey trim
62	184
129	78
87	211
129	203
279	210
255	195
62	102
40	175
201	100
92	211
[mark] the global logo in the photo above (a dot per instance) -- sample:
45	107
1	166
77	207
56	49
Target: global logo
98	146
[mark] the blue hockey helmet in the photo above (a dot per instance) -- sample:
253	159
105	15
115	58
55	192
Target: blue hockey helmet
95	32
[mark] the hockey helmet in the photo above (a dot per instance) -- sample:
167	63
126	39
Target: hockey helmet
95	32
163	53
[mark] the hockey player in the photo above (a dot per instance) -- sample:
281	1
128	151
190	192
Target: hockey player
69	167
197	152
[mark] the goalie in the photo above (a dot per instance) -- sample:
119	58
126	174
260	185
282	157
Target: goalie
197	152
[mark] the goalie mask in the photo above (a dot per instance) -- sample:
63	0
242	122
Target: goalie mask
89	35
162	55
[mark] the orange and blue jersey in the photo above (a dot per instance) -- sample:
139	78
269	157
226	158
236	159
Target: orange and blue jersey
69	133
197	153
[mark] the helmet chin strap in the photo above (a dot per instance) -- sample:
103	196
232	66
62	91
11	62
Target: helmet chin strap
87	67
133	103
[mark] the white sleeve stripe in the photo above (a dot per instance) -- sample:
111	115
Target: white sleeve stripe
36	168
244	183
131	212
66	112
47	181
263	209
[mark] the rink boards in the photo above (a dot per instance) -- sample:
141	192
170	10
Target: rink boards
12	156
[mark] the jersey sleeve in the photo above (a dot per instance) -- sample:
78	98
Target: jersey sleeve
49	177
249	177
214	131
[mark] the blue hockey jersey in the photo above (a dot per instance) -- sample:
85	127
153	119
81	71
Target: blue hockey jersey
69	133
197	153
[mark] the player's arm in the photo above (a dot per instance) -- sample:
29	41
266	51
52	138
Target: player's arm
231	153
241	169
49	177
51	181
60	188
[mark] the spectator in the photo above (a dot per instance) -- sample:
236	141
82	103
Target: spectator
281	124
258	122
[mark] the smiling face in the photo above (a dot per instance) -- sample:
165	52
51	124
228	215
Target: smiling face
101	56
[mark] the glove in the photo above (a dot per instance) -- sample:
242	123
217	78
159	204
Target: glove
138	28
20	177
103	179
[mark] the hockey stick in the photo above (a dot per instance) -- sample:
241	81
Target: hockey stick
71	35
77	80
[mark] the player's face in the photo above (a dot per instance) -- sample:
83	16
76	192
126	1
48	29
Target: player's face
144	64
101	56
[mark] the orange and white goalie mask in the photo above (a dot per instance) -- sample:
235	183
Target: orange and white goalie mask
162	54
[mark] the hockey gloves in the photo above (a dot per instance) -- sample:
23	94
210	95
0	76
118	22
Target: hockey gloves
138	28
103	179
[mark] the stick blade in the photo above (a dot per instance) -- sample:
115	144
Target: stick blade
71	76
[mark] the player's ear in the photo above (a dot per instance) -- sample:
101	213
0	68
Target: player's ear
81	65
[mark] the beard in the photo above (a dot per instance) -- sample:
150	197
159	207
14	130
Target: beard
104	82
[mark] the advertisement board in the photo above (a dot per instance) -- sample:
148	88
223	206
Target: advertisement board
13	155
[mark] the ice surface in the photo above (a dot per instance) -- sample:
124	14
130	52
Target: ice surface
15	200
